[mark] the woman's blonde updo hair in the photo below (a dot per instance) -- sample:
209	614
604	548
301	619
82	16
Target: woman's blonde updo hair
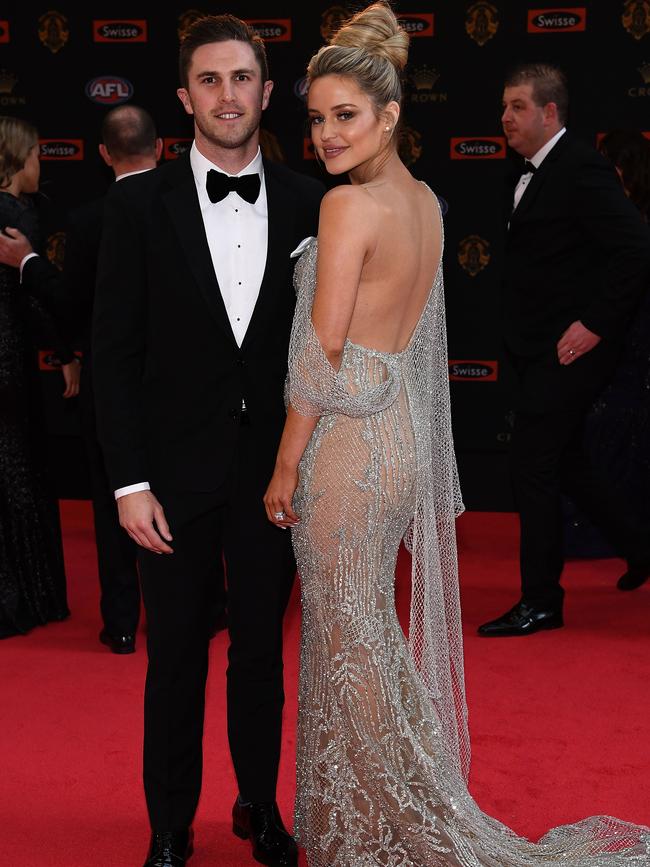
372	49
17	138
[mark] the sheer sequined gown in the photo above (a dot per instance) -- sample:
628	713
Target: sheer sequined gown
383	750
32	579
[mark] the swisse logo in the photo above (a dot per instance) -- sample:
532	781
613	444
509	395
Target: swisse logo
557	20
4	31
61	148
418	23
474	148
473	371
272	29
109	90
116	30
173	148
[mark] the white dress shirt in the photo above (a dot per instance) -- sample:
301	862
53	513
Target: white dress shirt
536	160
237	233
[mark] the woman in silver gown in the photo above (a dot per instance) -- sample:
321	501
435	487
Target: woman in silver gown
367	460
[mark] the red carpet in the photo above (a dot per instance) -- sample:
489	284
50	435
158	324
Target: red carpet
559	720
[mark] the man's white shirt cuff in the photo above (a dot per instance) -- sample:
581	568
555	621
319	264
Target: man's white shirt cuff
26	259
131	489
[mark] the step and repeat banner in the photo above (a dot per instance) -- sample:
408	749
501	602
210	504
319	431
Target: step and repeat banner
62	68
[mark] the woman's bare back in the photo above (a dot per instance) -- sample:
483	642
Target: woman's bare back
398	273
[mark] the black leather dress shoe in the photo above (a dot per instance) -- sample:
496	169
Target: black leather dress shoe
170	848
262	824
522	620
118	643
634	577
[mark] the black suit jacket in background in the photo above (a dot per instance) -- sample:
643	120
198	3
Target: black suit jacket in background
169	377
576	249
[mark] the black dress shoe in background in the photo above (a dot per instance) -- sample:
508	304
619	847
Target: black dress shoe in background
523	619
118	643
170	848
262	824
635	576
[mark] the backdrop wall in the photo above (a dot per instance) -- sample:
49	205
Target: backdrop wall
62	69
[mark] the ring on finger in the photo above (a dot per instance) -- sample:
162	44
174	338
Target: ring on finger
279	516
572	352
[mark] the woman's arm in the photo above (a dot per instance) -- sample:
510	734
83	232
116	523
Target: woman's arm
344	242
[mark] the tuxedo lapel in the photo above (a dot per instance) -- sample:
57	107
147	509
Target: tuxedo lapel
538	179
281	210
182	204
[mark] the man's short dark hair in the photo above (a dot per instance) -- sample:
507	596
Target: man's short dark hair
549	84
129	131
219	28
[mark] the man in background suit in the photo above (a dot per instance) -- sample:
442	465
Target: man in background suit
577	259
193	312
129	146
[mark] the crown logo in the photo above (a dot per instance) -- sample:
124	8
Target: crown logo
424	77
7	81
644	69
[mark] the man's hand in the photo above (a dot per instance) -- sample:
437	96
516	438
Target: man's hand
13	249
576	341
71	375
138	512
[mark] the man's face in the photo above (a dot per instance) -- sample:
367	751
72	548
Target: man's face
526	125
225	93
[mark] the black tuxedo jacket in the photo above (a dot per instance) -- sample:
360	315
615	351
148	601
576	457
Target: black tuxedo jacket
576	248
169	377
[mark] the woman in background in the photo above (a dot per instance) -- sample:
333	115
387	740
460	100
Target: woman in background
32	577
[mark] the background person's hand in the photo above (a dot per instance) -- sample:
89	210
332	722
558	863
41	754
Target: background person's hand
144	520
71	375
14	248
576	341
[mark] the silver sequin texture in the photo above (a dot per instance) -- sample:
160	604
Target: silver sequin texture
383	749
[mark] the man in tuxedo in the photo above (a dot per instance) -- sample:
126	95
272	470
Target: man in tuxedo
577	258
193	312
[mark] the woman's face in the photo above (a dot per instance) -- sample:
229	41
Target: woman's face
30	172
345	129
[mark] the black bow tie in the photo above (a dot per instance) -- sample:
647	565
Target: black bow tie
528	168
219	185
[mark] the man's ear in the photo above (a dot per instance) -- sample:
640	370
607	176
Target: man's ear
550	112
159	148
266	94
104	154
184	97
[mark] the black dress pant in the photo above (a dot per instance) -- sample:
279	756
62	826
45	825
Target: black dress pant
548	458
177	589
116	552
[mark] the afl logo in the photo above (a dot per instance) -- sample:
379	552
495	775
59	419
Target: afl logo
419	24
473	371
61	149
119	31
557	20
485	148
271	29
173	148
109	90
